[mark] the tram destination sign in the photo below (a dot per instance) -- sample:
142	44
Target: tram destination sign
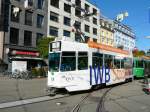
55	46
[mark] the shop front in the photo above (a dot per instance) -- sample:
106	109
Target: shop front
25	60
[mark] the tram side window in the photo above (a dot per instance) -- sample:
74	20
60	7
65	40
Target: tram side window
147	64
122	63
127	63
97	60
108	61
68	61
82	61
140	64
116	63
134	63
54	60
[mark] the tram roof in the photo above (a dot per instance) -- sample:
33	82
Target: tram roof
76	46
107	48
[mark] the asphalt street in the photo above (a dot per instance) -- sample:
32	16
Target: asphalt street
127	97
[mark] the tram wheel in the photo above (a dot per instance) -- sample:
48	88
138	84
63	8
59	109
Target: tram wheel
51	91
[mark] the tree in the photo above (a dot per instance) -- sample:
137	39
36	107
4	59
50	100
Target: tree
137	53
43	46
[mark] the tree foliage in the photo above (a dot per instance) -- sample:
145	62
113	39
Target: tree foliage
137	53
43	46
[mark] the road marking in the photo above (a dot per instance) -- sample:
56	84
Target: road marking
29	101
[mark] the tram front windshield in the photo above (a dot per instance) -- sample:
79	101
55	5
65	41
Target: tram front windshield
54	61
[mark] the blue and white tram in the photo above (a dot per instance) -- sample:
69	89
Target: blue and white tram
78	66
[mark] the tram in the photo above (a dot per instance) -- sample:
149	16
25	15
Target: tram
79	66
141	66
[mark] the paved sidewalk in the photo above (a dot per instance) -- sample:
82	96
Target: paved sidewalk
12	89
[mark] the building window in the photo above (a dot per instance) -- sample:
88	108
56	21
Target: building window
40	4
77	25
94	40
38	37
27	38
30	2
78	3
103	24
14	36
95	21
94	11
102	39
28	18
77	12
78	37
67	21
87	8
53	31
94	31
55	3
66	33
15	14
103	33
67	8
40	19
78	8
54	16
87	28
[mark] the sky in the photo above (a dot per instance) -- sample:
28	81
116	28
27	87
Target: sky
138	19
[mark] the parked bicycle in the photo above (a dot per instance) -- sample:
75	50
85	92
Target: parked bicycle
7	73
21	75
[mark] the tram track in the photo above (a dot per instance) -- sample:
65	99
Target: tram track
78	106
100	105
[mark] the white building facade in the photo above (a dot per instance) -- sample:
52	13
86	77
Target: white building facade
63	14
124	37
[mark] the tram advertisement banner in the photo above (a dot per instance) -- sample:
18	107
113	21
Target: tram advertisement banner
108	76
119	75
